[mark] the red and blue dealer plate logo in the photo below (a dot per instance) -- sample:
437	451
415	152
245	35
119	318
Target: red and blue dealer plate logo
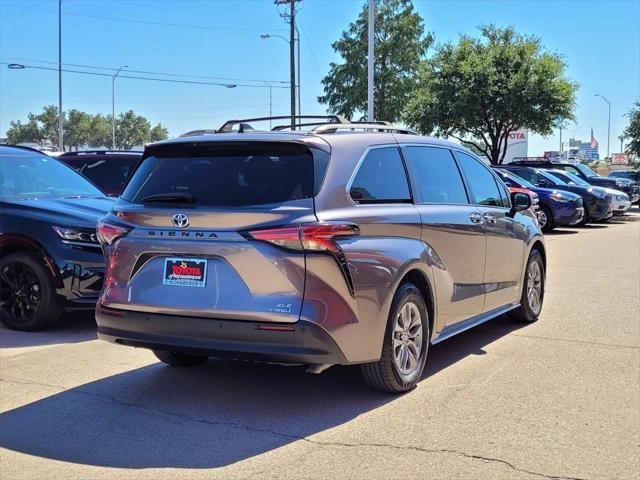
185	272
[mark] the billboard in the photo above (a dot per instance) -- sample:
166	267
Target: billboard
619	159
517	145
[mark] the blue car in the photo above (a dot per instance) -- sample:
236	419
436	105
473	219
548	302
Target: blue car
557	207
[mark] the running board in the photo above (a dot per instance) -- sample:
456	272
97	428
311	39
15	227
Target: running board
460	327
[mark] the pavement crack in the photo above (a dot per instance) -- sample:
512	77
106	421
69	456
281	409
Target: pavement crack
292	436
571	340
446	451
37	384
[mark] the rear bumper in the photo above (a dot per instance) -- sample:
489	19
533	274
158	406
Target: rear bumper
307	343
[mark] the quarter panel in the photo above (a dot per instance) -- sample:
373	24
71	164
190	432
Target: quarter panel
388	246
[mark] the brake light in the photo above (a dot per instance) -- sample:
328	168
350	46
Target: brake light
107	233
311	237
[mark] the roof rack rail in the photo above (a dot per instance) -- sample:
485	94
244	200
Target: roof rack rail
243	124
536	160
366	126
107	151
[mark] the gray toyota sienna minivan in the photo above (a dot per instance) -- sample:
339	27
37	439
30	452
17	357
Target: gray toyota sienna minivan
345	243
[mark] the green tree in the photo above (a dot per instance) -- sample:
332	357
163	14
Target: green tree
481	90
29	132
48	121
400	45
131	130
632	132
100	131
158	133
77	126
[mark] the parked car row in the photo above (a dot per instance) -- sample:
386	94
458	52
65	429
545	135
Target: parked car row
291	246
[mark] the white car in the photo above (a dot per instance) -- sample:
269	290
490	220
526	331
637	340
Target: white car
620	202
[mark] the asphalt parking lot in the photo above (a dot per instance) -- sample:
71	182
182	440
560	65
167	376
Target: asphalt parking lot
557	399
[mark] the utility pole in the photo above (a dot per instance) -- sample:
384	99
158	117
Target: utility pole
290	17
370	59
113	106
60	129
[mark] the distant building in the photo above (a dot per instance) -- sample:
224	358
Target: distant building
584	150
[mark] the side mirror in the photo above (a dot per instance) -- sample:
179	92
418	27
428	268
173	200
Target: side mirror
519	202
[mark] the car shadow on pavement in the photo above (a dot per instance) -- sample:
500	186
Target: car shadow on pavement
73	327
213	415
560	232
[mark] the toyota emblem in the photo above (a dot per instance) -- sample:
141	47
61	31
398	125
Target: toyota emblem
180	220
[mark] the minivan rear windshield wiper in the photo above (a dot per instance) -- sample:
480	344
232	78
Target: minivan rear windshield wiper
170	197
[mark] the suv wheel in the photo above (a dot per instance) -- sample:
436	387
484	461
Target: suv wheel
27	295
176	359
532	292
406	343
545	219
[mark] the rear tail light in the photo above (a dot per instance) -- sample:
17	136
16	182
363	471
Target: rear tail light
312	237
107	233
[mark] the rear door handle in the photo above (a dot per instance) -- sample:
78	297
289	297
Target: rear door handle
490	218
476	217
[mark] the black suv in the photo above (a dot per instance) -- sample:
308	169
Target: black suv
585	173
50	258
108	169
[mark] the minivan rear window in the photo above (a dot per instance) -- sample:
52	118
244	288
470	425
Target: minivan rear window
228	175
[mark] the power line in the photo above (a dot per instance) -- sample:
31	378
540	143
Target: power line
313	56
183	75
167	80
145	22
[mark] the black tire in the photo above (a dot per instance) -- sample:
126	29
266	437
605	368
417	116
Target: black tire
550	225
525	312
176	359
28	299
384	375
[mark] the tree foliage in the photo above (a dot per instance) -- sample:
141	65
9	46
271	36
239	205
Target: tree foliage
632	132
400	45
82	129
481	90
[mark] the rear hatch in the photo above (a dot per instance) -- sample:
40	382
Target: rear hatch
180	239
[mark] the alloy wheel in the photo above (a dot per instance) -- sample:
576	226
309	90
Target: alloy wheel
534	287
20	291
407	338
542	218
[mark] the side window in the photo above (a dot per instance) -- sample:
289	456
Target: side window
529	176
483	185
381	178
506	195
435	175
572	170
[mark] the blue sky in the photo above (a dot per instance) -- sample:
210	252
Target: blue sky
600	41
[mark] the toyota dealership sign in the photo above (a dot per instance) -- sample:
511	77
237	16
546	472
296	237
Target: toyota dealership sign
619	159
517	145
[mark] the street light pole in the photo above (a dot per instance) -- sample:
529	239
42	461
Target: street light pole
264	36
299	82
370	59
609	124
60	129
113	107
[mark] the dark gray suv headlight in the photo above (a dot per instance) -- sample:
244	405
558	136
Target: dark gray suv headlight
77	235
